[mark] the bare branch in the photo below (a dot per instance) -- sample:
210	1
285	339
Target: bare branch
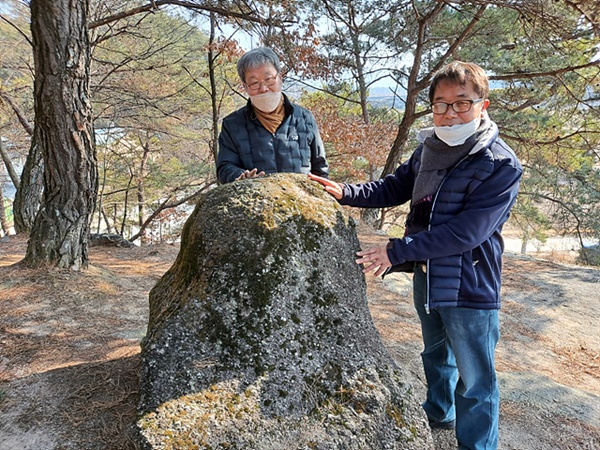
423	83
12	173
2	17
167	205
522	75
566	207
153	6
18	112
326	91
591	15
556	140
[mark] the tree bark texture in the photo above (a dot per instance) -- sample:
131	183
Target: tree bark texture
63	120
29	187
29	192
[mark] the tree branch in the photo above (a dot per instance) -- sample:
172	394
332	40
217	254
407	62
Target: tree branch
424	82
521	75
166	205
16	28
556	140
154	5
18	112
589	15
12	173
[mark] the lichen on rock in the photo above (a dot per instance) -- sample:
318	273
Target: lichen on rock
260	336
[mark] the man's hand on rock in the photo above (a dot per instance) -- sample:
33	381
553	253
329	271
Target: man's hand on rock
331	187
375	259
250	174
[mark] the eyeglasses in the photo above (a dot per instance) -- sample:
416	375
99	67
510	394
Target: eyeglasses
258	84
460	106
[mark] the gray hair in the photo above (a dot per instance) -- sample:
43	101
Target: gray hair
255	58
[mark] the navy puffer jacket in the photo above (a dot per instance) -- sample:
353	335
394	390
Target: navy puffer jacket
296	146
463	245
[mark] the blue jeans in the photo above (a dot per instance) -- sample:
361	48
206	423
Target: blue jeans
458	360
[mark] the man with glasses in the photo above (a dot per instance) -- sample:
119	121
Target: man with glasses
461	183
269	134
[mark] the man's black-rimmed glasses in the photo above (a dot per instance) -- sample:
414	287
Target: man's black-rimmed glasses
460	106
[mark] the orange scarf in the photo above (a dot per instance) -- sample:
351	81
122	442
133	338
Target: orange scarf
272	120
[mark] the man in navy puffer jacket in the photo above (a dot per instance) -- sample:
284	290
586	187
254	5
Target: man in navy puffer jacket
461	183
269	134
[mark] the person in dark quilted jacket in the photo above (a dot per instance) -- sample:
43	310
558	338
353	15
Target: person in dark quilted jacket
461	183
269	134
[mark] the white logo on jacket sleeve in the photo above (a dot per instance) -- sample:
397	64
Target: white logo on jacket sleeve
408	239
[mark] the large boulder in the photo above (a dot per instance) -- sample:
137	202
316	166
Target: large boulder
260	336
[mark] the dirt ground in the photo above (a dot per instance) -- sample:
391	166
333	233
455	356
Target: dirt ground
69	349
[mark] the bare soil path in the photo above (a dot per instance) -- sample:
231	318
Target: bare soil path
69	349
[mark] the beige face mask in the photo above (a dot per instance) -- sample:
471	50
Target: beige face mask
266	102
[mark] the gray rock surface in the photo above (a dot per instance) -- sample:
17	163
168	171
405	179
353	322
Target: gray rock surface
260	336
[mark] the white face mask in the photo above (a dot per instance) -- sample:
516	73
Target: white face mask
266	102
457	134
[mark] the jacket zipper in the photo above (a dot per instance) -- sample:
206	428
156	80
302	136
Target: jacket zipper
427	286
434	201
475	272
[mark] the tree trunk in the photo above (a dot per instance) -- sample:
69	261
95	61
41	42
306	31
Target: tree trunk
10	169
29	188
109	228
126	204
63	120
4	226
214	140
395	155
29	193
141	192
360	78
